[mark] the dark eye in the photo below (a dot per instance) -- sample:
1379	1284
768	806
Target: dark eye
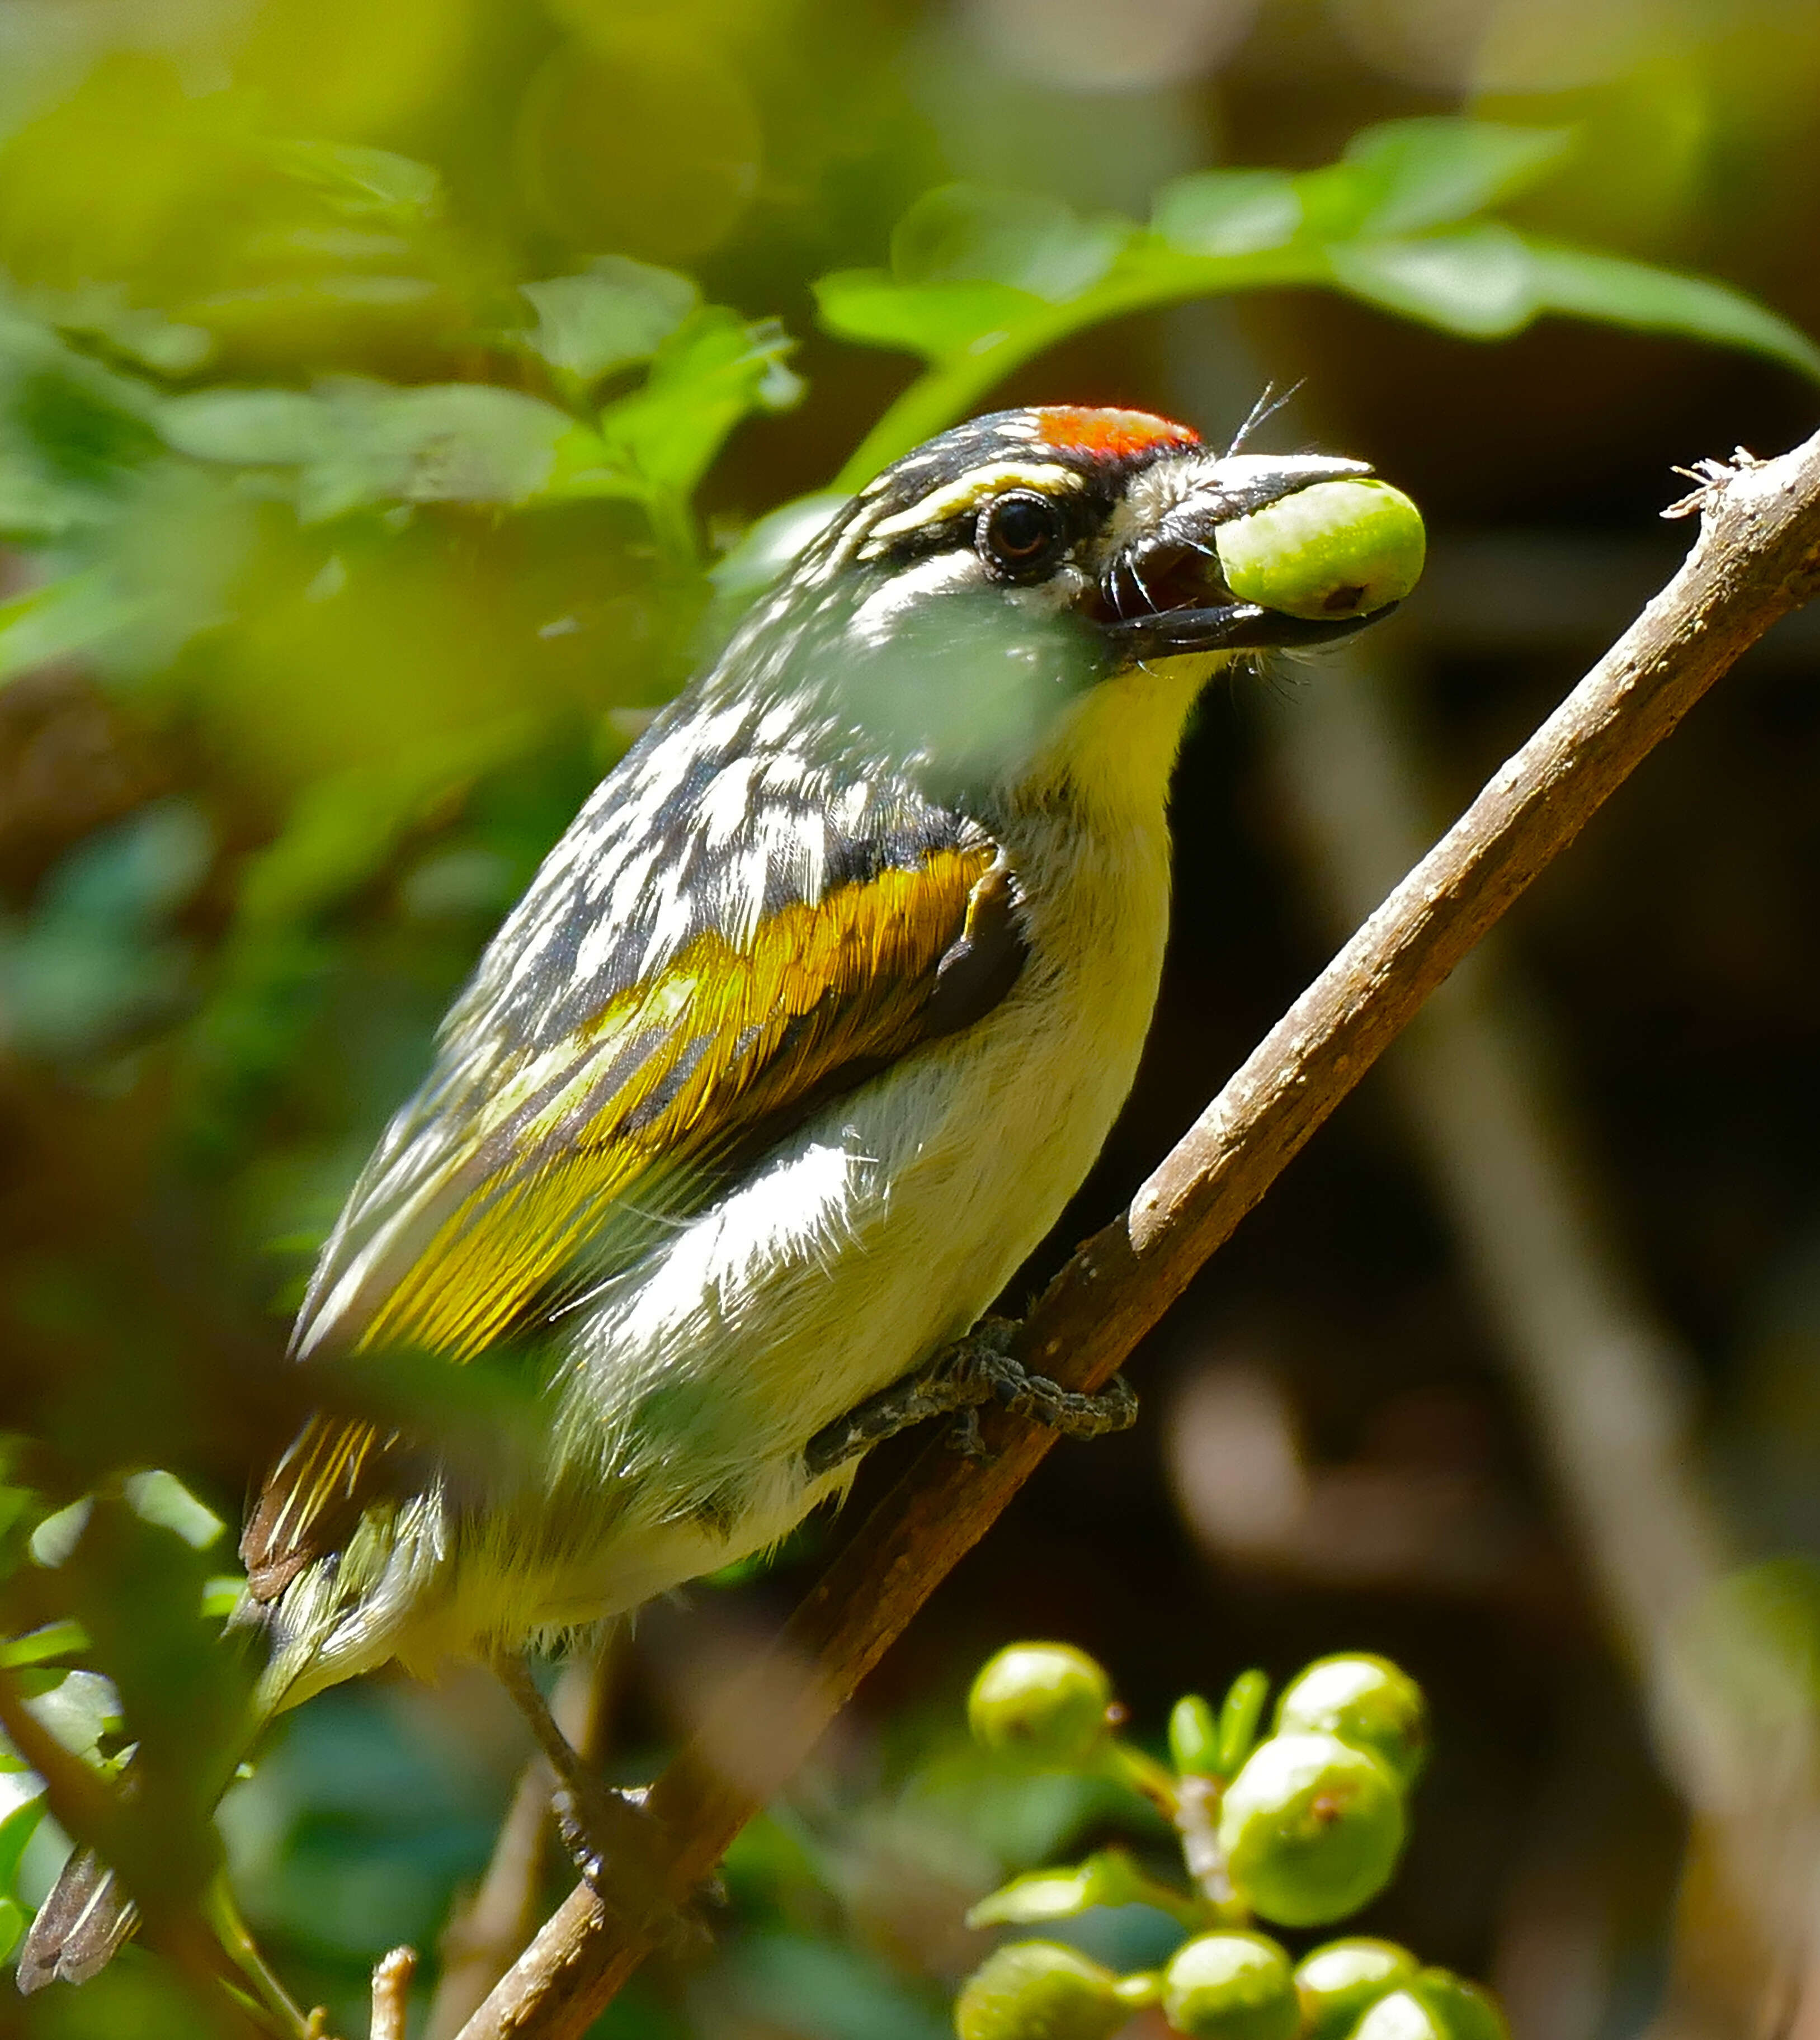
1020	535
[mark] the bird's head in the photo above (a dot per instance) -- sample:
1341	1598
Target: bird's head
971	594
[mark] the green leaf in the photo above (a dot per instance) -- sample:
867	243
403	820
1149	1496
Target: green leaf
57	621
39	509
246	427
618	313
445	443
1111	1877
345	828
73	434
793	1983
711	373
1477	280
59	1532
157	567
16	1830
971	233
221	1593
39	1647
357	443
73	983
1582	283
1240	1714
1193	1736
940	321
79	1711
162	1498
361	183
1227	212
1431	172
104	312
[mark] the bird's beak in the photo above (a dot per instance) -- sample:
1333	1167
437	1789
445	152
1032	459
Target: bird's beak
1162	592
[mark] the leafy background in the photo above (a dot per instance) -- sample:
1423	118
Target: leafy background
393	402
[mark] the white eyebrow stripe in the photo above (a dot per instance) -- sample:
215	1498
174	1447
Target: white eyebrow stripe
954	497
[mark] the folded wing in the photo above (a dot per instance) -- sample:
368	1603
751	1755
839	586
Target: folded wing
519	1175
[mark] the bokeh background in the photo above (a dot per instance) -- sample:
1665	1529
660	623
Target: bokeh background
1516	1376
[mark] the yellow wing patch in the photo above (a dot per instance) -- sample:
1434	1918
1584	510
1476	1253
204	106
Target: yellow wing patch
675	1073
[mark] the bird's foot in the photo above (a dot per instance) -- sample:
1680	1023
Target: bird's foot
616	1846
617	1849
974	1371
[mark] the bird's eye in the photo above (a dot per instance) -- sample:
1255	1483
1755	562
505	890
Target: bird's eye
1020	535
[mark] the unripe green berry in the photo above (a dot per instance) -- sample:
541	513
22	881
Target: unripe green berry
1231	1986
1311	1829
1398	2014
1363	1700
1466	2011
1039	1990
1338	1983
1333	549
1046	1701
1436	2006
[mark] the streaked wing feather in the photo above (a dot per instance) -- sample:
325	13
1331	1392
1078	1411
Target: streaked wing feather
311	1498
671	1075
490	1193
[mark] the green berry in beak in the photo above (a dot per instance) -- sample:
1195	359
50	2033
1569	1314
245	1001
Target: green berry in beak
1335	549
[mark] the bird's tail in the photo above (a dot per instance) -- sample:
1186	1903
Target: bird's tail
79	1928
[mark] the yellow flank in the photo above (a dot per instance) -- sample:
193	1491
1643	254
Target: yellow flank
734	1037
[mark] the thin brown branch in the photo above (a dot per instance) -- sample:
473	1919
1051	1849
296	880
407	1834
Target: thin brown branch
1758	557
489	1932
392	1977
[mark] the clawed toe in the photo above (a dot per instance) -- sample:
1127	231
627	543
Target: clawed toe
977	1370
615	1847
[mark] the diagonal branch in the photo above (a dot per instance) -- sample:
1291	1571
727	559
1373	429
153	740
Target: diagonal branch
1757	557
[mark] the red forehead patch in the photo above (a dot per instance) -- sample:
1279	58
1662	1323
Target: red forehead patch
1115	435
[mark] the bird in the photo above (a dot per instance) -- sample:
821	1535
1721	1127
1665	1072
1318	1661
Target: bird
793	1051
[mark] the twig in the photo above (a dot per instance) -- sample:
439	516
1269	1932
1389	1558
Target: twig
1758	556
488	1934
392	1977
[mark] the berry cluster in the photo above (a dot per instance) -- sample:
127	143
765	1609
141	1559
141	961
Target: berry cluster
1299	1827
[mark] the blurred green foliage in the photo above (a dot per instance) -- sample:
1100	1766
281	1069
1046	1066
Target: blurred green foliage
366	375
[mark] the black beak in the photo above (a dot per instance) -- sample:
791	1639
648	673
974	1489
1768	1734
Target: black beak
1232	626
1154	590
